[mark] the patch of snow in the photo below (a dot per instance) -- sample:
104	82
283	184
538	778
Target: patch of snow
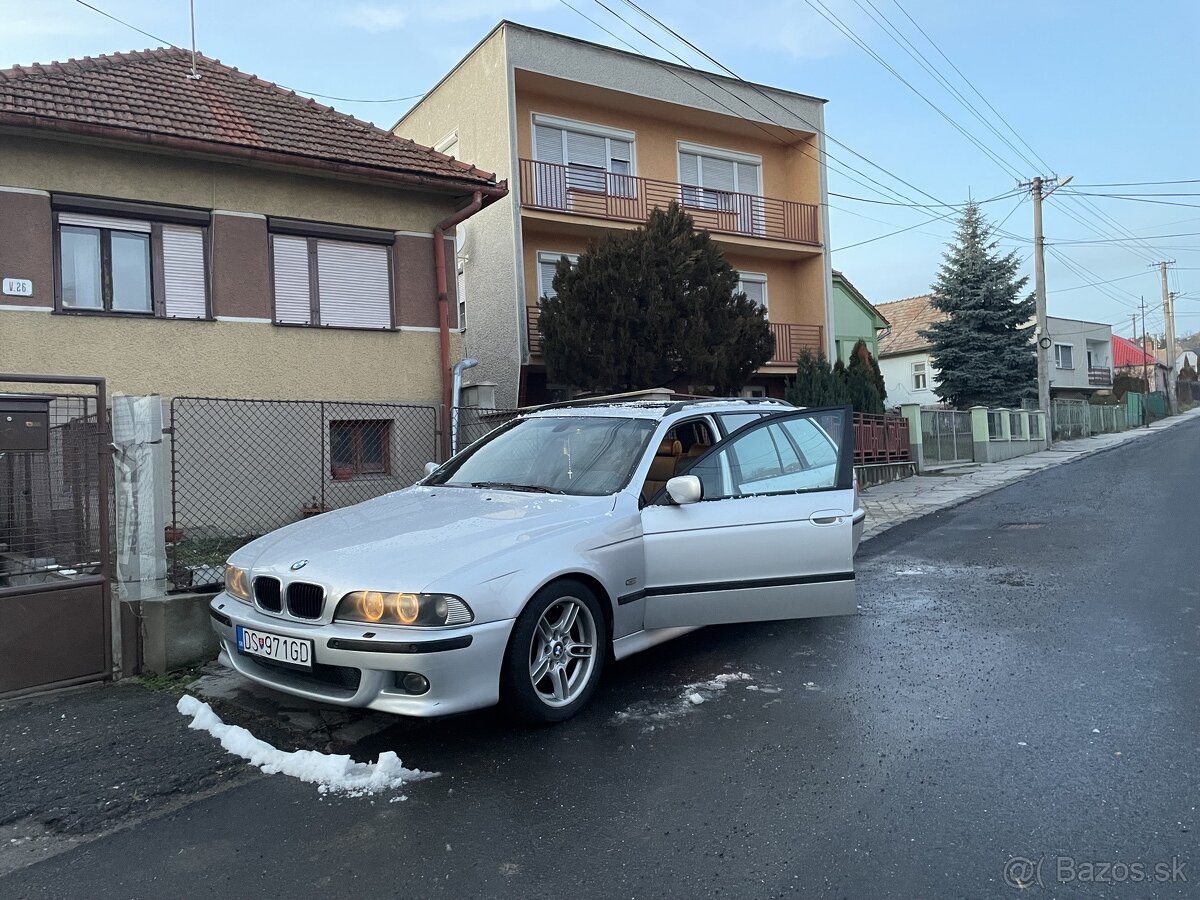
653	713
331	774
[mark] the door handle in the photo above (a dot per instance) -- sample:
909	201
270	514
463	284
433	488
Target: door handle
825	518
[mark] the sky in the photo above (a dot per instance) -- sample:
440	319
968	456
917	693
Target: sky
1102	91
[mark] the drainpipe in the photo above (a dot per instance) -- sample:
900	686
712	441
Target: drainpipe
478	201
456	392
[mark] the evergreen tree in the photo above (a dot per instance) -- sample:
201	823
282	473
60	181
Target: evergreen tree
983	348
652	307
864	383
816	384
1186	372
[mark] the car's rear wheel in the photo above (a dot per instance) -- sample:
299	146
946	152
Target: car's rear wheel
556	654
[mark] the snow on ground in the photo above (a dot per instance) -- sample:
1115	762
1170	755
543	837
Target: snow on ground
331	774
652	713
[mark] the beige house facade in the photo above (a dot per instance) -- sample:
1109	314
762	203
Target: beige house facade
174	253
592	139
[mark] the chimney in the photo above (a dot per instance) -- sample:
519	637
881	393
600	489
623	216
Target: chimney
1149	345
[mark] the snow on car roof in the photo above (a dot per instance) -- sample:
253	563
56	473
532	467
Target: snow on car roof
654	409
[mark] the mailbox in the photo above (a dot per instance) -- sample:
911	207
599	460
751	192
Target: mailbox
24	423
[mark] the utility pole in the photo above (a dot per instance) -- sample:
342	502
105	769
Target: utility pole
1145	377
1169	326
1044	342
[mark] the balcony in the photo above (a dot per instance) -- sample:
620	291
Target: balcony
586	191
789	339
1099	376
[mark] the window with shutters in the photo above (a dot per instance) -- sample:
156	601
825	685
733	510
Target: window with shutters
581	158
754	286
130	266
331	283
724	181
547	266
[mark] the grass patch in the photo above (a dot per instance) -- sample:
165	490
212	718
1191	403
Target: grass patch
174	683
209	550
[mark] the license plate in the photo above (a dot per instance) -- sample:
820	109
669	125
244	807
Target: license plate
294	651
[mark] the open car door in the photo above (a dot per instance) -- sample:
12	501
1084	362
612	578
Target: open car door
772	535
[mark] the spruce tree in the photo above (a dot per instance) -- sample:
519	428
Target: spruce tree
983	348
655	306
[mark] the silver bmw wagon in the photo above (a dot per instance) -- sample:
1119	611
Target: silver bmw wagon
567	539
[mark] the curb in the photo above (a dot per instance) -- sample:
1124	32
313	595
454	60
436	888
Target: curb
1135	434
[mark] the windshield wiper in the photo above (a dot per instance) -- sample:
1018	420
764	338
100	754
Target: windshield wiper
511	486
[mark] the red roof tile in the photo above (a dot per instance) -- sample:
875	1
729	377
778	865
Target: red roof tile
150	95
908	318
1126	353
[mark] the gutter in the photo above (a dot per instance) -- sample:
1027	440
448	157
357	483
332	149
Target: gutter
479	200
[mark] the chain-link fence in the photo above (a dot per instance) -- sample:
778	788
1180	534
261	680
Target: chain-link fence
946	436
473	422
242	468
50	504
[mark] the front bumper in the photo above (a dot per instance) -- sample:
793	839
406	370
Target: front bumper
462	664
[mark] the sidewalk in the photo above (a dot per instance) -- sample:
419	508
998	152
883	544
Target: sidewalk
899	501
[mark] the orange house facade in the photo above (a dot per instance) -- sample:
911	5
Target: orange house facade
593	139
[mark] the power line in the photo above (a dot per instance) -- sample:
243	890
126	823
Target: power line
810	125
1134	238
819	7
175	46
1141	183
969	84
926	205
1096	283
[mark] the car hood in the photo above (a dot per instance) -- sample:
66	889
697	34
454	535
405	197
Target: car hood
408	540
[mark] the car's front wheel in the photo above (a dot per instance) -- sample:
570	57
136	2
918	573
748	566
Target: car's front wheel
556	654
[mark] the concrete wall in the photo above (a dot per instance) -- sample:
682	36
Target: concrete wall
897	378
473	104
1081	337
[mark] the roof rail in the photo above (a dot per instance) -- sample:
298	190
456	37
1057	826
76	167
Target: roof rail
681	405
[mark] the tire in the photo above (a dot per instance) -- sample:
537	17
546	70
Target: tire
545	640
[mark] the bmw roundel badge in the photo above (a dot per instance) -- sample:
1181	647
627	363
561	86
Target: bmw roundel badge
299	564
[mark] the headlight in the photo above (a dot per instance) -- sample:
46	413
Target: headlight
376	608
237	583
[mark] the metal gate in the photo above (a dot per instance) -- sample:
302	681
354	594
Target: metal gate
242	468
55	552
946	436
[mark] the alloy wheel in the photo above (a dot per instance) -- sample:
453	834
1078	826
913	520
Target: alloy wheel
562	653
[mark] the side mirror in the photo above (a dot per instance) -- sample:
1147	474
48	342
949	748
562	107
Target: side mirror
685	489
430	468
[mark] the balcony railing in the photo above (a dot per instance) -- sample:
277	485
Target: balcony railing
1098	376
587	191
789	339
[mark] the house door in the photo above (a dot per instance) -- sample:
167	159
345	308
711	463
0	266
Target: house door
55	615
772	536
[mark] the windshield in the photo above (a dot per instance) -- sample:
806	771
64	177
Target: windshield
588	455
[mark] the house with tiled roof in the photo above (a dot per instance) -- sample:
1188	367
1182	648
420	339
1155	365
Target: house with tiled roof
854	319
904	355
1130	359
183	228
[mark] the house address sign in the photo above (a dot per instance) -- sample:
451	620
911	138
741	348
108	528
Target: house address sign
17	287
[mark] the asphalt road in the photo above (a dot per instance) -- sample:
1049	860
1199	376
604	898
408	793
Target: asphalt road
1021	682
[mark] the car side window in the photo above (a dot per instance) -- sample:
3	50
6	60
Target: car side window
797	454
733	421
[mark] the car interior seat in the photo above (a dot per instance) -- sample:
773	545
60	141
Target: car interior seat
662	467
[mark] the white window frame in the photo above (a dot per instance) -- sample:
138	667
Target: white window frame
922	373
1058	357
756	278
545	256
734	156
604	131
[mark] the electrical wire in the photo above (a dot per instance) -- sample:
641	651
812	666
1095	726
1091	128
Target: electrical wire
175	46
